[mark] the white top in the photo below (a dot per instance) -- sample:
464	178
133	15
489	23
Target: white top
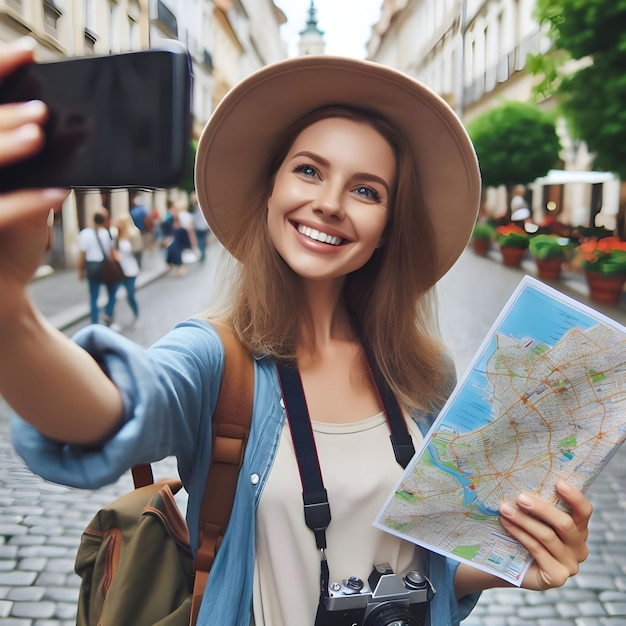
127	259
199	221
359	471
185	219
88	243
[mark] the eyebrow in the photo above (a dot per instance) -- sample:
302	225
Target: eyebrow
325	163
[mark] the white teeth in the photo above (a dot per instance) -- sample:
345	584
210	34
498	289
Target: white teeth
311	233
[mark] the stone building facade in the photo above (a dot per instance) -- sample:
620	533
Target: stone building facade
227	40
474	54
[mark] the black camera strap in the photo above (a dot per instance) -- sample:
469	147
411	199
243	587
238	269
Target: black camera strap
401	441
316	506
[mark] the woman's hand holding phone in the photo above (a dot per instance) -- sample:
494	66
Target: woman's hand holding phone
23	213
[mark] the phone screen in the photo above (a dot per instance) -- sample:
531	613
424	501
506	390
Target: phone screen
114	121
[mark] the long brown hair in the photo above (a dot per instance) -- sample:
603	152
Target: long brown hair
390	297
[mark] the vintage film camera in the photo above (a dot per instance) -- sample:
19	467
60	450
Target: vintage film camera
386	600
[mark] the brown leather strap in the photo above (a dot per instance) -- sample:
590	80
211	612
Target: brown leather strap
231	427
142	475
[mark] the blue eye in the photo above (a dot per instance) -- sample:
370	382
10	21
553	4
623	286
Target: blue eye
306	170
368	193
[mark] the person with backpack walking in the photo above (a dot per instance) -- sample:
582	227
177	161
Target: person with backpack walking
95	242
343	191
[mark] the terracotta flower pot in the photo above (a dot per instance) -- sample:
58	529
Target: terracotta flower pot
512	257
481	246
603	288
548	269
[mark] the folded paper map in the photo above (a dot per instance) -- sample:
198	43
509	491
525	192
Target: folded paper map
543	398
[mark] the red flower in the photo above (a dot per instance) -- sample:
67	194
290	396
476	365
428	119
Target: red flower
510	229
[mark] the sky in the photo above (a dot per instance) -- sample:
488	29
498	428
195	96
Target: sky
346	24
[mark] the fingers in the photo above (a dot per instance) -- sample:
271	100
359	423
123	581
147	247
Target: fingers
581	508
21	134
16	115
556	539
16	54
22	204
20	143
554	563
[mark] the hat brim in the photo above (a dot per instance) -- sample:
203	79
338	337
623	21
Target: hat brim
250	121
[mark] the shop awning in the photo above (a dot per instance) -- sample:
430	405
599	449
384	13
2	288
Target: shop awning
562	177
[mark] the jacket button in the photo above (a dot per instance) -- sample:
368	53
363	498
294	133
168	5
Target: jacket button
254	479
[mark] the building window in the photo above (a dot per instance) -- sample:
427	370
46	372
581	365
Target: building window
167	18
51	15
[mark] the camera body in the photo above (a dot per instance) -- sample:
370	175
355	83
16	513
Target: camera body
118	120
384	600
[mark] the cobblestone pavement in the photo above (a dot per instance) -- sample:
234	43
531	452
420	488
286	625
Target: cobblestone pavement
41	523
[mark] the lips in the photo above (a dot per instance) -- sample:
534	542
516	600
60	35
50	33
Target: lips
317	235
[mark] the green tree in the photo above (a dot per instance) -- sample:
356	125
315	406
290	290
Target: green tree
188	183
592	96
515	142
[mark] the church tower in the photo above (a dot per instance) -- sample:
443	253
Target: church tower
311	38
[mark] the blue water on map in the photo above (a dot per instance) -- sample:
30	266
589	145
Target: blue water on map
469	495
533	316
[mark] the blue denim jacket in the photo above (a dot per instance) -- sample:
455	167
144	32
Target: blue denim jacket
169	393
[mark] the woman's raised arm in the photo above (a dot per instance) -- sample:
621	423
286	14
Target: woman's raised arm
47	379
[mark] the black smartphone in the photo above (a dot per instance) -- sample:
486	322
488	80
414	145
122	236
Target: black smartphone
122	120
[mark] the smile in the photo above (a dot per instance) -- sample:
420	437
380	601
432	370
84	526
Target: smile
316	235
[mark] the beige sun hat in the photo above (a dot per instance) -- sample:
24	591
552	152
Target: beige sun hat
250	121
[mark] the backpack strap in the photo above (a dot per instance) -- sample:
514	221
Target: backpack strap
231	427
142	475
230	430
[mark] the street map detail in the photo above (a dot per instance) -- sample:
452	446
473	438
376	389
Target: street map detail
544	397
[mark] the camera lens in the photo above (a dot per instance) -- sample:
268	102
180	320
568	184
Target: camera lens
391	615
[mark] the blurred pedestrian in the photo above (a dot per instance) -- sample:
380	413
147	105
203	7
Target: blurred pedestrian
157	234
181	239
94	243
200	225
143	221
521	214
128	261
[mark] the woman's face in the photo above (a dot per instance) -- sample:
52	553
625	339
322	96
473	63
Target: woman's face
329	205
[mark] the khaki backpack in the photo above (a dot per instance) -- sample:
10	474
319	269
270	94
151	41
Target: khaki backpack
134	557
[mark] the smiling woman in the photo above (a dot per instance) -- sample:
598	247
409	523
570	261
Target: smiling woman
345	190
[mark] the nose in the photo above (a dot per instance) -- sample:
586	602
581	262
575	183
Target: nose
328	202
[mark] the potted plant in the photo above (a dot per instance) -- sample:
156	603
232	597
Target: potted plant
549	252
604	262
482	236
513	242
